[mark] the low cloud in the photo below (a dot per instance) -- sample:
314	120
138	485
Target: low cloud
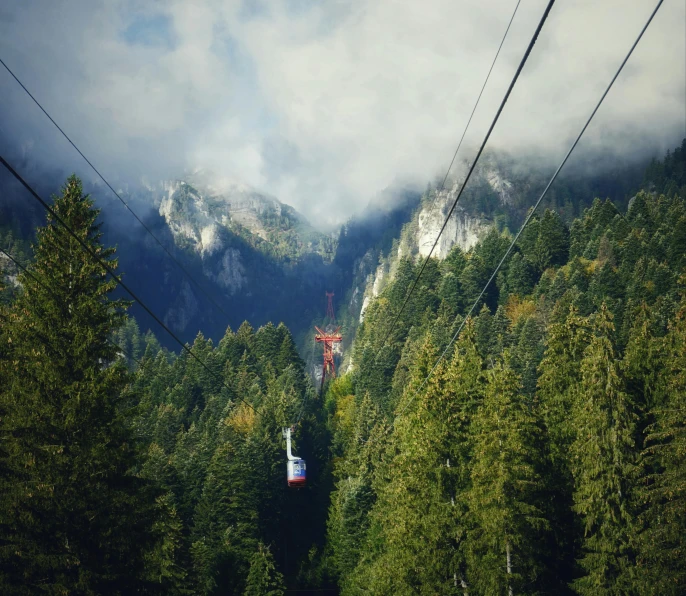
325	104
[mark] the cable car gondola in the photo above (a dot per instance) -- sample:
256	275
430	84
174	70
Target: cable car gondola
295	467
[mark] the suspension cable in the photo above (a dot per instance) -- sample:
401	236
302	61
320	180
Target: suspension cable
114	276
140	221
529	216
471	169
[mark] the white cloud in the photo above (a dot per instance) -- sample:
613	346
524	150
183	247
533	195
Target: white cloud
326	105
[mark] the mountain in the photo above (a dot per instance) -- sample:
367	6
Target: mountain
260	260
200	206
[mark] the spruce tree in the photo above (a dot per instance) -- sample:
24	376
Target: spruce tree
506	519
558	376
264	579
74	519
603	465
662	543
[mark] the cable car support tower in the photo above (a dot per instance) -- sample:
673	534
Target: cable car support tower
328	337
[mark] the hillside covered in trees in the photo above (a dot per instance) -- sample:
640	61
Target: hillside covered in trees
544	453
125	468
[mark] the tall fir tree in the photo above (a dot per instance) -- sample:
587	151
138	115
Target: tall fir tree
263	578
662	542
603	465
506	517
74	519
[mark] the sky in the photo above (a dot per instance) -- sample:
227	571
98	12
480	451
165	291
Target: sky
325	104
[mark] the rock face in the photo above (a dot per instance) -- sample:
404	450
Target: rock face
200	221
9	271
184	308
504	188
462	228
197	214
231	273
203	211
418	236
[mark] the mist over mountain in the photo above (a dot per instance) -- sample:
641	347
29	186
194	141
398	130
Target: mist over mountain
258	259
324	106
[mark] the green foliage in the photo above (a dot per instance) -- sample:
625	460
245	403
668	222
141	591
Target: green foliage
223	460
160	481
74	518
507	519
264	579
662	541
603	464
545	454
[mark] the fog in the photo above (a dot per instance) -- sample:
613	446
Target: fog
324	105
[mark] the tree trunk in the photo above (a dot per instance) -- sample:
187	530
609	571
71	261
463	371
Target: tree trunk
509	567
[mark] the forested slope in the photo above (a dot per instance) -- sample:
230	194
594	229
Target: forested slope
219	456
545	453
125	468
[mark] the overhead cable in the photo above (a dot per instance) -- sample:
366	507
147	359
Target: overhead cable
140	221
476	159
114	276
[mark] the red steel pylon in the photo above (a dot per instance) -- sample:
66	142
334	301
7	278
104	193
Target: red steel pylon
328	338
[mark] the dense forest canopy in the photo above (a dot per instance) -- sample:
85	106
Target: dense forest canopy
545	453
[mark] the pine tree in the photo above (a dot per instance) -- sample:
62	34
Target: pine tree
505	512
464	383
662	542
264	579
559	374
520	277
353	497
415	542
527	353
287	352
603	465
74	519
224	531
552	245
404	556
164	563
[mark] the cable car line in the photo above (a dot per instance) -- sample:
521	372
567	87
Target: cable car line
471	169
528	218
114	276
147	229
478	99
25	270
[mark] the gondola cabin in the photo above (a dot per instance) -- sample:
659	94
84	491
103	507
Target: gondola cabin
296	472
295	467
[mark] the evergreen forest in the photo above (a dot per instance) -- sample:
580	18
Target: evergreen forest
543	451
